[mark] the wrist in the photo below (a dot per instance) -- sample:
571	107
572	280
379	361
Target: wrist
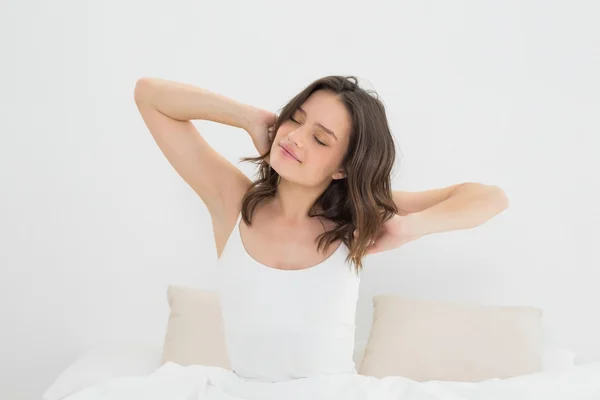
250	116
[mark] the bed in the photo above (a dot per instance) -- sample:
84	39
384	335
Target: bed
505	358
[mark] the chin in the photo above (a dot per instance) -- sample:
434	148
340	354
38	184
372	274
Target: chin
280	163
282	172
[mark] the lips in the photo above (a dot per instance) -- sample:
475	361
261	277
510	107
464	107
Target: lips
290	152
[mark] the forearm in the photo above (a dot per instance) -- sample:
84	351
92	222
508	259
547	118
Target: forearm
184	102
469	206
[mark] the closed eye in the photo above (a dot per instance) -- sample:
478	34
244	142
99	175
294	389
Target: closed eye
317	140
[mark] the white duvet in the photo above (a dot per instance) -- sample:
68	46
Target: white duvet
175	382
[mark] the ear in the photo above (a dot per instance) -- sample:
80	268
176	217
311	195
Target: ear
339	175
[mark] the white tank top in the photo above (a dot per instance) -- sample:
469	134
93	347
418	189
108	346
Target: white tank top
286	324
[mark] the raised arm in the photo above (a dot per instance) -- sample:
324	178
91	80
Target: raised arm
167	108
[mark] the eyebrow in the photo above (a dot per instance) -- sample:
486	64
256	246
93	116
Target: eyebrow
321	125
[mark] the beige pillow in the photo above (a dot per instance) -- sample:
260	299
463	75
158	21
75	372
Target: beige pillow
195	334
451	341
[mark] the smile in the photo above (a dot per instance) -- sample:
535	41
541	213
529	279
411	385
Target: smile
288	154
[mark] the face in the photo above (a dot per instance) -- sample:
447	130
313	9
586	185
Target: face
317	134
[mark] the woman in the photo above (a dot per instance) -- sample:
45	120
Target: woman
322	201
290	246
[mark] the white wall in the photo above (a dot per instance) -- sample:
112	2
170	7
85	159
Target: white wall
95	224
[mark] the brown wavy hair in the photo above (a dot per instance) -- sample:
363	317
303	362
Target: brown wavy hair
363	199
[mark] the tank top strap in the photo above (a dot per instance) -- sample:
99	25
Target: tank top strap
234	254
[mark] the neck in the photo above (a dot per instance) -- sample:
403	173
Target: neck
293	202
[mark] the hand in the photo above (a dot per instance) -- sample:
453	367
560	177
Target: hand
261	130
395	232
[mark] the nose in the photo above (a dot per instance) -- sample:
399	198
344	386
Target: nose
297	136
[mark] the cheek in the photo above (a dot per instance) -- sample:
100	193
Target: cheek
322	163
282	132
